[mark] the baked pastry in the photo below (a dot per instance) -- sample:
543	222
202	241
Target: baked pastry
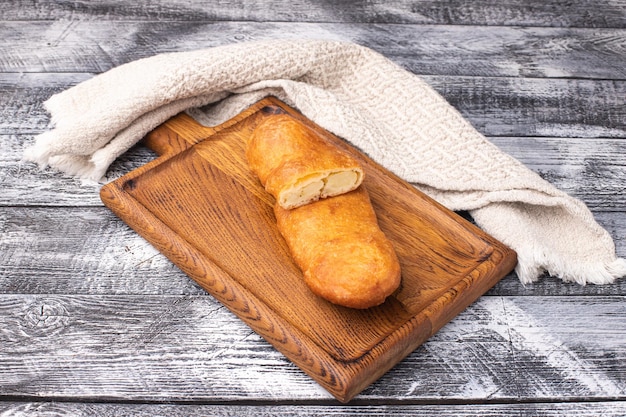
298	166
343	254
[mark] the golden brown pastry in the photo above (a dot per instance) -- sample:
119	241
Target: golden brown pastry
298	166
339	247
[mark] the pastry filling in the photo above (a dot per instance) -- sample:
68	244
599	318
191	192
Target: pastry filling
315	187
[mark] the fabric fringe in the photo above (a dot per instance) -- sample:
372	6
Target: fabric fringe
599	273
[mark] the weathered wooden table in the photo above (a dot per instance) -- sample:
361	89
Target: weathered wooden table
94	321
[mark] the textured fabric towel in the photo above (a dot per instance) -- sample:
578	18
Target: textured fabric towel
359	95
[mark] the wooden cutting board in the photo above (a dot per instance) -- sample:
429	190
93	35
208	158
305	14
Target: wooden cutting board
200	205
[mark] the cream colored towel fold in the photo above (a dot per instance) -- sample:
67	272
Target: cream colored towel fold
387	112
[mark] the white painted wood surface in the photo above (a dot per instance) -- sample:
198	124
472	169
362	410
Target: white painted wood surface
94	321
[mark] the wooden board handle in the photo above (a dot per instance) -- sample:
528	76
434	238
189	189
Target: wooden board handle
177	134
183	131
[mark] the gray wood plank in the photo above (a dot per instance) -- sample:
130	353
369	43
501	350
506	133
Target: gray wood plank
81	250
78	250
574	409
189	348
25	183
593	170
537	107
555	353
22	96
480	12
495	106
96	45
141	347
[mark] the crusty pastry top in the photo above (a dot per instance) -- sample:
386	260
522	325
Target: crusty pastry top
344	255
298	166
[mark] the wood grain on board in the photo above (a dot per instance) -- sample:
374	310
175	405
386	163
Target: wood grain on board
205	210
87	250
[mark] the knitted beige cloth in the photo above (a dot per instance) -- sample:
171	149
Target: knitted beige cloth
359	95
